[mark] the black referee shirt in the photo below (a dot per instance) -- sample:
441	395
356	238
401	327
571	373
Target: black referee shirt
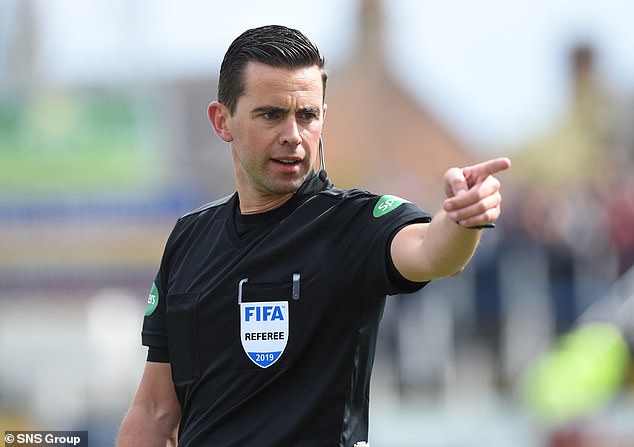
270	326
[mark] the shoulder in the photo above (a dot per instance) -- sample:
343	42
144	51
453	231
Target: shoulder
363	197
208	206
376	205
201	216
348	201
192	227
343	194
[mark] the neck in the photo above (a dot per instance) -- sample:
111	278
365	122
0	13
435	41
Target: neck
262	204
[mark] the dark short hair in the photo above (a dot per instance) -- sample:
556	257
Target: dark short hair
274	45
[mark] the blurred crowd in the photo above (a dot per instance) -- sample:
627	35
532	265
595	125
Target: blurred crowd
563	245
567	229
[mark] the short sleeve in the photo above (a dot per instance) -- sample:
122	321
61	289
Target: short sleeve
360	237
154	332
158	355
400	283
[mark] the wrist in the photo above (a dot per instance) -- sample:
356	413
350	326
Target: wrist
479	227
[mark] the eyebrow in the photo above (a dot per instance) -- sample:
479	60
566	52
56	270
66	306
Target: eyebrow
311	109
269	109
275	109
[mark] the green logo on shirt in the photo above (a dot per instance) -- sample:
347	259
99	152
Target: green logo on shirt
152	301
387	204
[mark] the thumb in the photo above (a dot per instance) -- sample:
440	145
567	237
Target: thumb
455	182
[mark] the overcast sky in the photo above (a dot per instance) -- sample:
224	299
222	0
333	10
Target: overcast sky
493	70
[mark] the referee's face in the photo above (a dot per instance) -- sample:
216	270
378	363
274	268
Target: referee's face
274	130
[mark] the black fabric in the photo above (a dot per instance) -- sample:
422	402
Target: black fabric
158	354
245	223
405	285
316	394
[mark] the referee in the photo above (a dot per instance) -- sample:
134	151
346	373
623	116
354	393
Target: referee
262	321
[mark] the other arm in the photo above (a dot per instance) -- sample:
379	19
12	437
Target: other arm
153	417
422	252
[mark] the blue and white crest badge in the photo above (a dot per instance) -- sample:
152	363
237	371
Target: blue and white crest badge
263	329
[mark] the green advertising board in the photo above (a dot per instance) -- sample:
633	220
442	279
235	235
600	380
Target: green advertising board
60	141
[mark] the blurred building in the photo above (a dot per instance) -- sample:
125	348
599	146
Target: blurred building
377	136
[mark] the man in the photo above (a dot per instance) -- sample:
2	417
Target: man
262	321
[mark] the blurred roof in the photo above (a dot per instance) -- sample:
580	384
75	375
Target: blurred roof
376	135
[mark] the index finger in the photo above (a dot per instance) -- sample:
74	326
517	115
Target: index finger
482	170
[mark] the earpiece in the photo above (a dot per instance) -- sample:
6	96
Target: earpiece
323	175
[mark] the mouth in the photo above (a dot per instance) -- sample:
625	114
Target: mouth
287	161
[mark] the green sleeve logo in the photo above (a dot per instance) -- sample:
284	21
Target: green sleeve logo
387	204
152	301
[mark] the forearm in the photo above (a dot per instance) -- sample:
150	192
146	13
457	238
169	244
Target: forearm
140	428
447	246
154	416
422	252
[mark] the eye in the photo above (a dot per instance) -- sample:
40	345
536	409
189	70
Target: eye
270	116
308	116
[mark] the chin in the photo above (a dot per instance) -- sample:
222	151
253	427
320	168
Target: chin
290	186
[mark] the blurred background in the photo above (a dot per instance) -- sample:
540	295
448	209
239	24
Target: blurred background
104	142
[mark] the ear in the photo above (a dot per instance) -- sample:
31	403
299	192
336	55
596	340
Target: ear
324	111
218	115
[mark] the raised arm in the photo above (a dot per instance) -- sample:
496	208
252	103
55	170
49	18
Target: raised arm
422	252
153	417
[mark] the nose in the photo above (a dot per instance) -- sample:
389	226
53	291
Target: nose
289	134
